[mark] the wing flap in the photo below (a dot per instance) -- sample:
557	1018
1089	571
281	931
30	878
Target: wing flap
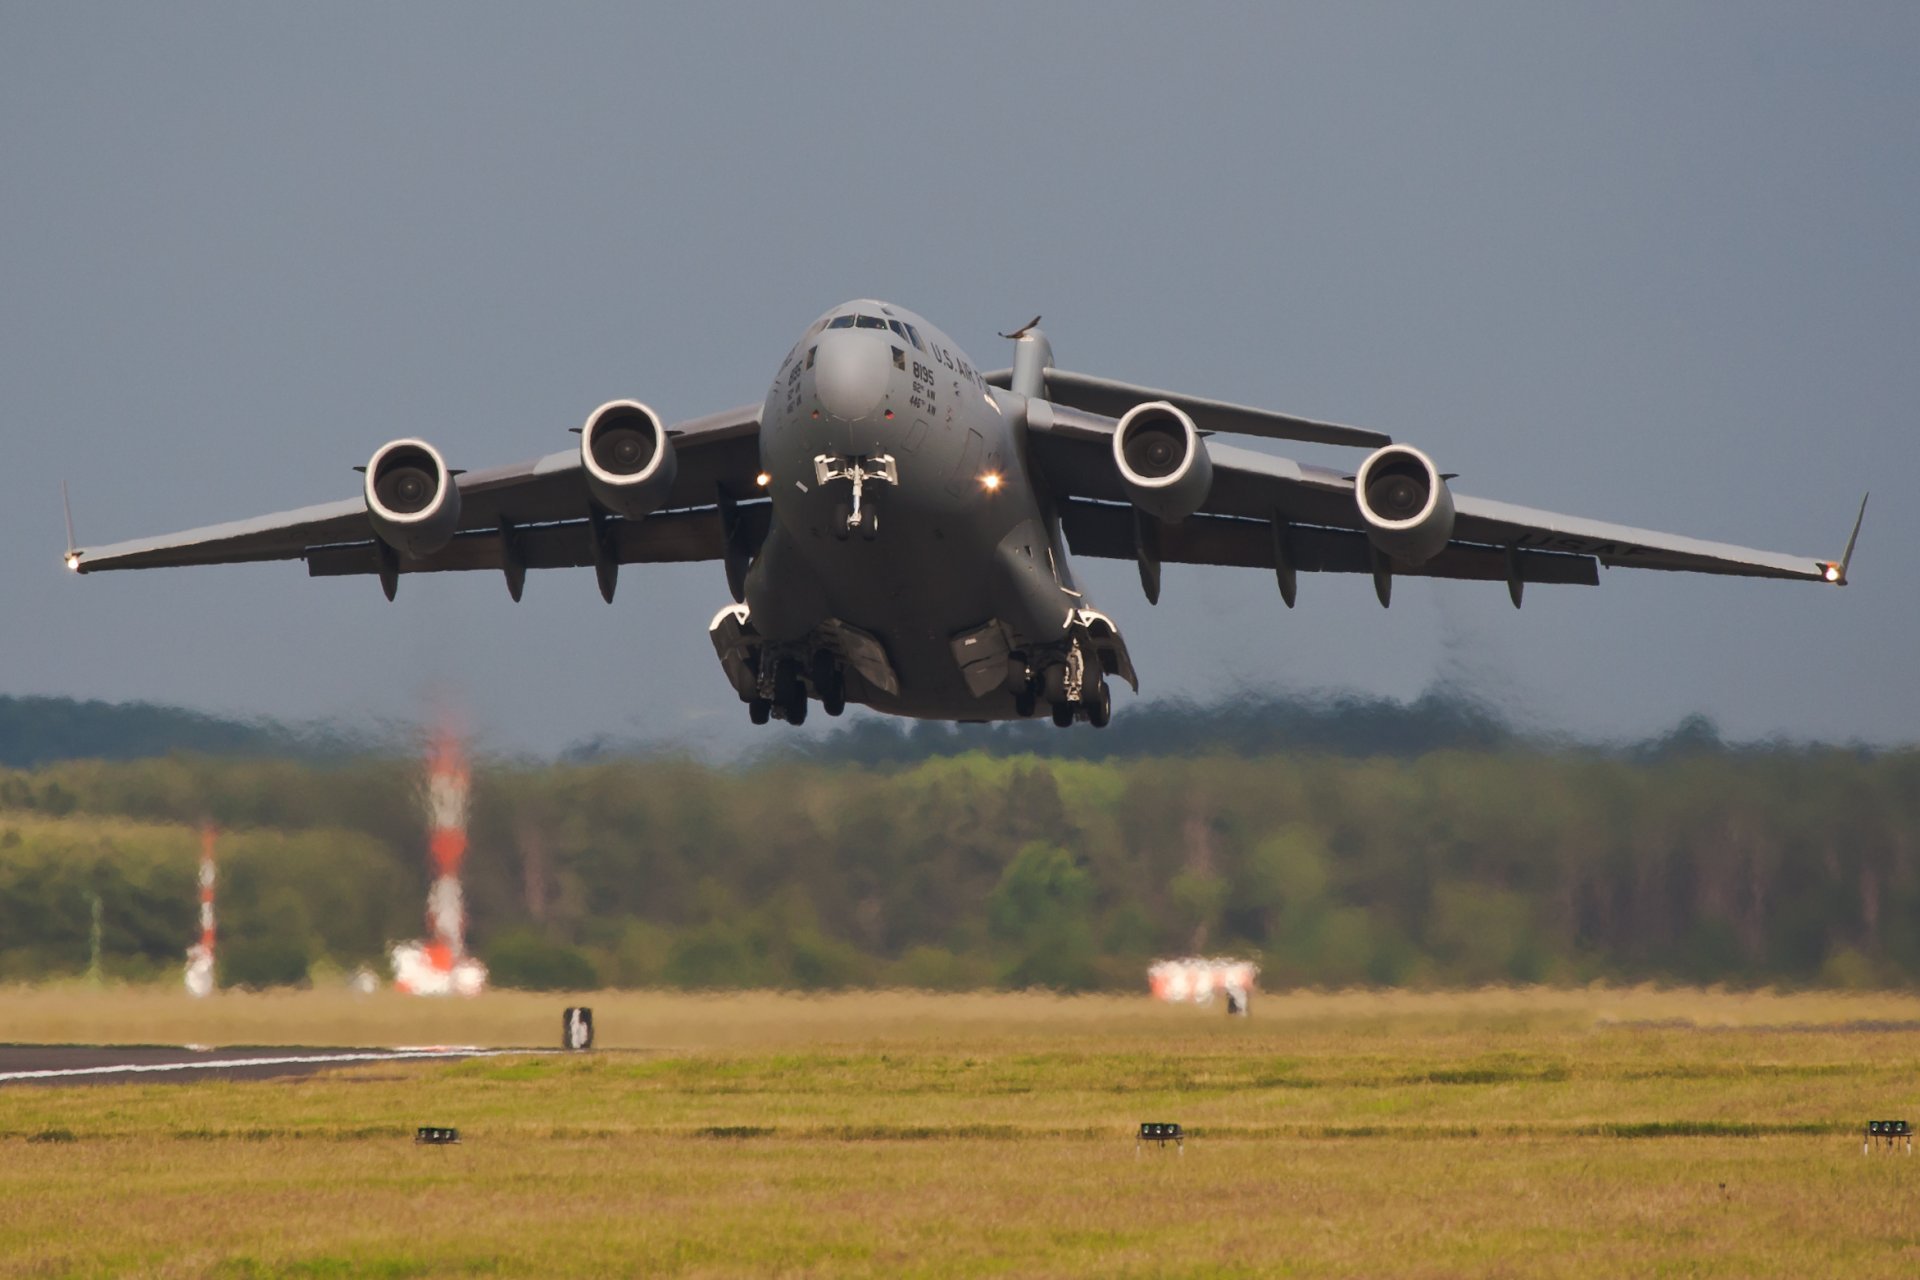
662	538
1105	531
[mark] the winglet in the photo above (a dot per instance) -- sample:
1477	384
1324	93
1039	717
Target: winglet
1836	572
73	552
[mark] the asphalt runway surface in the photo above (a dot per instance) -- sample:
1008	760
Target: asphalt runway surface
124	1064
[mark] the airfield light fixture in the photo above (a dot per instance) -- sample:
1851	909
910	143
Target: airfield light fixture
1160	1133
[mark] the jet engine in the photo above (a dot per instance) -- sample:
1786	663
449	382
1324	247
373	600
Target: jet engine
628	458
1405	502
1162	460
411	497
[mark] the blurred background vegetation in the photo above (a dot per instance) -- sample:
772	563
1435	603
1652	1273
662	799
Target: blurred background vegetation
1337	842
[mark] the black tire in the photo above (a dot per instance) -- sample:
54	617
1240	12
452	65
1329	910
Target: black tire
797	709
759	710
786	683
1063	715
1024	702
841	514
869	523
828	684
1100	706
1053	683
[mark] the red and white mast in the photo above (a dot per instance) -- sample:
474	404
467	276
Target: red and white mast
200	955
440	965
447	782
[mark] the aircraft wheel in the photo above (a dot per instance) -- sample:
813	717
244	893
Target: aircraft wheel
841	514
829	683
1024	703
870	522
797	709
1063	715
1100	706
1053	681
759	710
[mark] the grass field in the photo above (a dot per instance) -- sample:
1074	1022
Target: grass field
1506	1133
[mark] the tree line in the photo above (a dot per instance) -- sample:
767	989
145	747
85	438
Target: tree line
1503	863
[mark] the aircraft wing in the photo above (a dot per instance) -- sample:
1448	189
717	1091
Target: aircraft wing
531	515
1274	513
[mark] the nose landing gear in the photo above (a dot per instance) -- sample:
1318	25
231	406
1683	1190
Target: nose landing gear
855	514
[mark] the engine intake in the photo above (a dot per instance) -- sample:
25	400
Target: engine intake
1405	502
1162	461
628	458
411	497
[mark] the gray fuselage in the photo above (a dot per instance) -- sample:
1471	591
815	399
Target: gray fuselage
962	537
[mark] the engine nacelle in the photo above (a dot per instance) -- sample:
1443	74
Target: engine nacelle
411	497
628	458
1162	461
1405	502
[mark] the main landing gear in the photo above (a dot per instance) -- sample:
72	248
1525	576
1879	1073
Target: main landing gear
1075	689
783	694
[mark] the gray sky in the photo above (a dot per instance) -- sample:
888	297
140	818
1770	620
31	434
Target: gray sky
1658	264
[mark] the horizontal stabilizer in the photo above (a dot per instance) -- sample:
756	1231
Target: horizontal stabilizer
1111	399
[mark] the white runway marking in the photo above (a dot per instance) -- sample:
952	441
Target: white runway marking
218	1064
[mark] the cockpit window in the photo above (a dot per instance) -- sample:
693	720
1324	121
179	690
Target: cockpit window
840	322
870	322
913	336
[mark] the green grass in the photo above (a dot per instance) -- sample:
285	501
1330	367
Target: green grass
1588	1133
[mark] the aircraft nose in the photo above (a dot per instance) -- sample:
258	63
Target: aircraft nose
850	373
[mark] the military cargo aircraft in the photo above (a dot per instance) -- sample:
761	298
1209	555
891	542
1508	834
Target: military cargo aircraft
895	523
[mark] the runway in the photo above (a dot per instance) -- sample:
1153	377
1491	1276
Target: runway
123	1064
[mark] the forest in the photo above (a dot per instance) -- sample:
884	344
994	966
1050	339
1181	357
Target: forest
938	859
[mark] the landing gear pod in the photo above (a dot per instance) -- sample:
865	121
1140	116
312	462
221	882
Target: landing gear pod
628	458
411	497
1405	502
1162	461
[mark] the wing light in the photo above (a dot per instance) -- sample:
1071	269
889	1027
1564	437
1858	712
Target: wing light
73	561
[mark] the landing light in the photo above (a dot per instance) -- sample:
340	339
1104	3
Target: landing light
764	479
991	482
